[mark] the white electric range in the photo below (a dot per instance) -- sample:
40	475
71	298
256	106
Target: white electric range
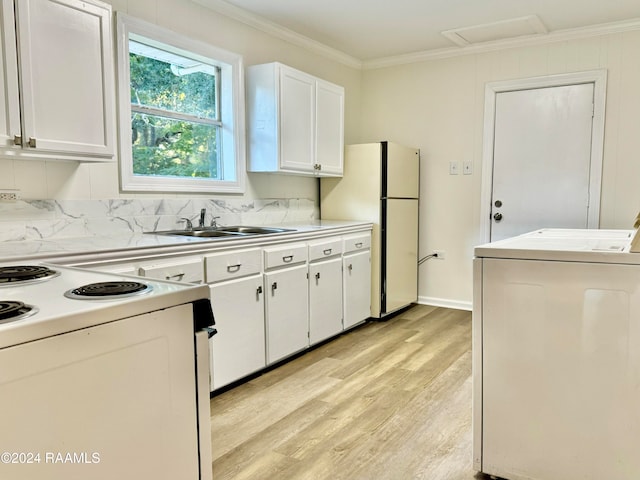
556	356
103	376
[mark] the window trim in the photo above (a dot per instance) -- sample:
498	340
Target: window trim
231	97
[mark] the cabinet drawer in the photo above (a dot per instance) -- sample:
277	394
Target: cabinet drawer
356	242
182	270
285	255
225	266
120	269
324	248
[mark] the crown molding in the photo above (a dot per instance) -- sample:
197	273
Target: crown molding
278	31
529	40
264	25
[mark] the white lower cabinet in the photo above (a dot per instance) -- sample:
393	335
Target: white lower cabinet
239	347
325	299
270	302
356	279
286	300
286	312
237	300
357	292
325	289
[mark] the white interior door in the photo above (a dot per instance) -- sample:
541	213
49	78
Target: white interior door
541	159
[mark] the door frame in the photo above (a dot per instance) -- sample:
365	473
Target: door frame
599	80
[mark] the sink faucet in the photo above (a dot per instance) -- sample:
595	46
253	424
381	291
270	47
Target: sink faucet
188	222
203	213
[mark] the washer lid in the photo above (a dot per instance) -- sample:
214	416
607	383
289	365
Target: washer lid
584	245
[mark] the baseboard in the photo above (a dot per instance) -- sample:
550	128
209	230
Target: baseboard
445	302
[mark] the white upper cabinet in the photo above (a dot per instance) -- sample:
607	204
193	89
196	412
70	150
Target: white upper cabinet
329	128
9	97
296	122
56	80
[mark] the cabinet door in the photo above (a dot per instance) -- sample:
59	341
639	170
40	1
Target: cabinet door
325	299
9	96
329	128
238	349
297	120
287	314
66	76
357	287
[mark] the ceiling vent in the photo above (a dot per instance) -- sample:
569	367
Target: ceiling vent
502	30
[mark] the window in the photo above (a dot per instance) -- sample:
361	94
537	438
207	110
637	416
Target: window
181	112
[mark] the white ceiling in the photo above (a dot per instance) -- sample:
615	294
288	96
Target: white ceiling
367	30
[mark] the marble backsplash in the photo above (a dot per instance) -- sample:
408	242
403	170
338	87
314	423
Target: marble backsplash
50	219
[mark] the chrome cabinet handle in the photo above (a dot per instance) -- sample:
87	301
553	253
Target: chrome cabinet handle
287	259
327	251
350	267
17	140
274	287
359	245
233	268
178	277
32	142
258	292
317	277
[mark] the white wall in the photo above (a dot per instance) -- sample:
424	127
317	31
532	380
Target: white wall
438	105
70	180
435	105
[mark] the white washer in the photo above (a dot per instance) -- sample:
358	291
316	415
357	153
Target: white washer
556	356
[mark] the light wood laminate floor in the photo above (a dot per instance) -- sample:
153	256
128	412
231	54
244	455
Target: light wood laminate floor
388	401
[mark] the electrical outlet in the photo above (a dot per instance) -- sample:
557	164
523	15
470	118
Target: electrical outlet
439	254
9	195
454	168
467	168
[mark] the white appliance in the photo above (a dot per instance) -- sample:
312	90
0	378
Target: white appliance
381	185
103	387
556	356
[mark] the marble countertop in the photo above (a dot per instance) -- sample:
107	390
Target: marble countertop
83	249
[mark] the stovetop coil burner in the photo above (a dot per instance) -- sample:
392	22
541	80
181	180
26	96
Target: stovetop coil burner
11	310
20	274
101	290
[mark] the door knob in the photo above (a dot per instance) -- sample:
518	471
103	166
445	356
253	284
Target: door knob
497	217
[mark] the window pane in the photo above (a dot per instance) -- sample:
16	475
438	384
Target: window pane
179	84
167	147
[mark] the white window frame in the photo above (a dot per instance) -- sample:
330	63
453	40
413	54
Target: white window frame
232	134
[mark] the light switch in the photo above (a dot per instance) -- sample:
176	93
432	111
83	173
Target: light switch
454	168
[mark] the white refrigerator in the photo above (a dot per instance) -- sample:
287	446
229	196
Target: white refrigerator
381	185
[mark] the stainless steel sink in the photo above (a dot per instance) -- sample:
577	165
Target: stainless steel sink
198	233
254	230
233	231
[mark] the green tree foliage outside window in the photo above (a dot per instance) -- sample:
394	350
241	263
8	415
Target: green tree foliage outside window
174	118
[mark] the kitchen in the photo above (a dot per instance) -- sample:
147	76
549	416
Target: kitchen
434	103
